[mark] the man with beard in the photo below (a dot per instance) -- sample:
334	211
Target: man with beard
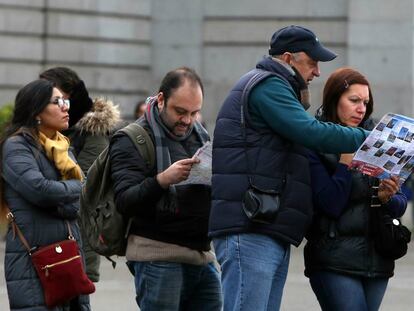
168	250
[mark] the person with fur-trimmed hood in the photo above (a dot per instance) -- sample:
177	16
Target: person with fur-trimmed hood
91	134
91	124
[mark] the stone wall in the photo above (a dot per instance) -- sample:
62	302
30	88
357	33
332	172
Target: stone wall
106	42
123	48
237	33
380	44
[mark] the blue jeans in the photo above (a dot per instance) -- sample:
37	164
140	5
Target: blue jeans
343	292
169	286
254	269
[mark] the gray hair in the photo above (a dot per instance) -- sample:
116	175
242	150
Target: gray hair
295	56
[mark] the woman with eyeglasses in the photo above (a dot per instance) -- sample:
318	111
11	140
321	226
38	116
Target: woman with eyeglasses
345	270
40	186
91	124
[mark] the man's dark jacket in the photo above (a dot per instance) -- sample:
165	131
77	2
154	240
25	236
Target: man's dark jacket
137	193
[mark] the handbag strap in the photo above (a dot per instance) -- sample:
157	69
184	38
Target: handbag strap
16	230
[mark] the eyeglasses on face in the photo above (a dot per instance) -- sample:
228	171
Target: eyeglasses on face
61	102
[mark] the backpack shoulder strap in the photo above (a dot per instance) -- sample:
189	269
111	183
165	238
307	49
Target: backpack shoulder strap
142	142
256	76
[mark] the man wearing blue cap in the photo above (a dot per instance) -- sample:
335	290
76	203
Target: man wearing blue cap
261	190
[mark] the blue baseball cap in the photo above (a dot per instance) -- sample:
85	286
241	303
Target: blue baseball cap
295	39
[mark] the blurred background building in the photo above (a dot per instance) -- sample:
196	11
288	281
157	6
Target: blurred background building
123	48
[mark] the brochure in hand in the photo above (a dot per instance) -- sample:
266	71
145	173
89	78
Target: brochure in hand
388	150
201	172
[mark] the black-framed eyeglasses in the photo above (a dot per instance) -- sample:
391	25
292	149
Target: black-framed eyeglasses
61	102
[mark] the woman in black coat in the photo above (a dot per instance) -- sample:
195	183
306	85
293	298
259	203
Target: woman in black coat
345	269
40	186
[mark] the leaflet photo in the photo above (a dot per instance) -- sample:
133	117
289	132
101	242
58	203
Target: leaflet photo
402	133
389	165
391	151
391	123
380	127
365	147
380	162
409	137
409	166
391	138
399	153
378	143
379	153
404	159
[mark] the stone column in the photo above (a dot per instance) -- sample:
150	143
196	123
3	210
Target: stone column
176	36
380	44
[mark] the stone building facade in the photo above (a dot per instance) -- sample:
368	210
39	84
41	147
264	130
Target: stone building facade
123	48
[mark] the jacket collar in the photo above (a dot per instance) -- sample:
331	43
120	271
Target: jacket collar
103	118
290	74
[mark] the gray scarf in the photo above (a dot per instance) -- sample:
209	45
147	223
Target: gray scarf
161	132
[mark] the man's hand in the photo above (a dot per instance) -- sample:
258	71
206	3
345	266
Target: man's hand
387	188
176	173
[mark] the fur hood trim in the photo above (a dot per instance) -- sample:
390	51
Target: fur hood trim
102	119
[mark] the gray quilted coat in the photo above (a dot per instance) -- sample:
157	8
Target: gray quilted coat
40	203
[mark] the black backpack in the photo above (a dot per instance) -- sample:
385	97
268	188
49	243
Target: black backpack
105	230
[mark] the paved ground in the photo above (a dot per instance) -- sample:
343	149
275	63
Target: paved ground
115	290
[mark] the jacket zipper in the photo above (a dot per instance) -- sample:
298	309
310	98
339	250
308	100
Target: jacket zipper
47	267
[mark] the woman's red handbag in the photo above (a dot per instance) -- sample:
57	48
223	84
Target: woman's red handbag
59	267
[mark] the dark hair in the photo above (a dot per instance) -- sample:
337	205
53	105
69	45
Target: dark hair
65	78
338	82
30	101
138	107
69	82
176	78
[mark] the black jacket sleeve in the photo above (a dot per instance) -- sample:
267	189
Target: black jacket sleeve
136	188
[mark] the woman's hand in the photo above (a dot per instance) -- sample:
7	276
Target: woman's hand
387	188
346	158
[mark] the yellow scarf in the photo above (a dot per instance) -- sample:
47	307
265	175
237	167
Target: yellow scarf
57	151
